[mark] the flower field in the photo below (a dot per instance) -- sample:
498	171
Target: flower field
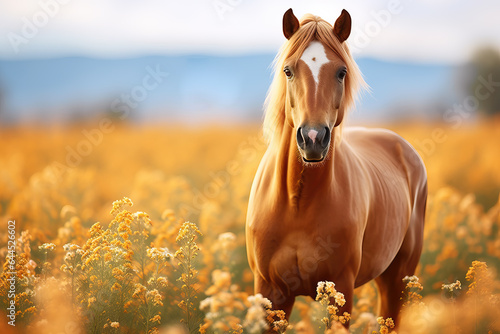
141	230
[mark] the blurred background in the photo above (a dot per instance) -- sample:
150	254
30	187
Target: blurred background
160	100
64	61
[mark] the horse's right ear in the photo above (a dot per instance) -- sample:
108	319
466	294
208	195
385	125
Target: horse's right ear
290	24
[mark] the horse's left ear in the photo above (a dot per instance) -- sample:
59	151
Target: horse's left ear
342	27
290	24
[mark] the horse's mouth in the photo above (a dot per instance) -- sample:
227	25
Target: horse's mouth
313	161
313	157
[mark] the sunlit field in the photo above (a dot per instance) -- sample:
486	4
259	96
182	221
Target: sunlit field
140	229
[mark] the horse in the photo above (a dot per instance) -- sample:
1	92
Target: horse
330	203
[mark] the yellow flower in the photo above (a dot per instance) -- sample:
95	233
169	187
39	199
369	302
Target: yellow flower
339	299
155	297
119	204
187	230
158	254
332	309
47	247
140	289
480	278
143	218
71	247
156	318
326	290
258	299
90	301
162	281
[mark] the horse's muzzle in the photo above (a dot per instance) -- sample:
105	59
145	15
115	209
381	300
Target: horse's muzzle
313	142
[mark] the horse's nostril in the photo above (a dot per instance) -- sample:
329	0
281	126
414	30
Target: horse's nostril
326	138
300	137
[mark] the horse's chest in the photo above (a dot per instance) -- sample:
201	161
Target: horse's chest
299	249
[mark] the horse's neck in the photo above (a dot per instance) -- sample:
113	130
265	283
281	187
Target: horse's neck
296	180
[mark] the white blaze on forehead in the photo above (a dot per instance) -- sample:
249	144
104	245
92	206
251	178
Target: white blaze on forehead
315	57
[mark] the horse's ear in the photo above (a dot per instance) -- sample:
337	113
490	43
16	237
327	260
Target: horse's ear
290	24
342	27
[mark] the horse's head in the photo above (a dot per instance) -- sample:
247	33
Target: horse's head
316	79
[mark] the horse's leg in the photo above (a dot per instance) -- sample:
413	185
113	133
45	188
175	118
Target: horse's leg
347	288
278	300
390	283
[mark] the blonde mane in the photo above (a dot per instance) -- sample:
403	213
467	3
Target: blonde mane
311	28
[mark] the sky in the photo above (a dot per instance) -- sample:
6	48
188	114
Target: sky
426	31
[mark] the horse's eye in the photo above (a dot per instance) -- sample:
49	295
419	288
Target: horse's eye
288	73
341	75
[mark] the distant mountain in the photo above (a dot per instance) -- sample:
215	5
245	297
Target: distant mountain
197	87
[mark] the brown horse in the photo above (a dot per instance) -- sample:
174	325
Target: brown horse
327	203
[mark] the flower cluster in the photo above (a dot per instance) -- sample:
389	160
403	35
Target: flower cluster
386	325
159	255
451	290
480	278
278	321
186	256
124	278
47	247
325	294
256	318
412	291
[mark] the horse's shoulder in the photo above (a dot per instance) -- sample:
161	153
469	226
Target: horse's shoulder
379	135
375	143
376	139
